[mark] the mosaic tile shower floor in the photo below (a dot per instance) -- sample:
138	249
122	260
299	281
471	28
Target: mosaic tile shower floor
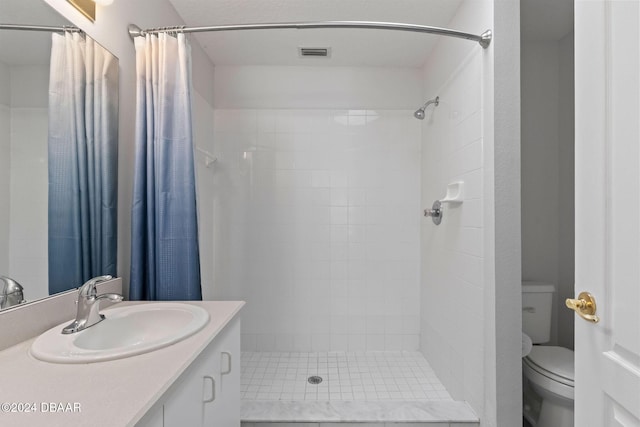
346	376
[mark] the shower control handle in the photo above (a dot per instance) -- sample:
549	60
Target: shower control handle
432	212
435	212
585	306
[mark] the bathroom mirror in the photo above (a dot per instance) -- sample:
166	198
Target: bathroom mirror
27	218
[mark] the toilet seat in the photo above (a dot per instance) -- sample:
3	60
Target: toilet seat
555	363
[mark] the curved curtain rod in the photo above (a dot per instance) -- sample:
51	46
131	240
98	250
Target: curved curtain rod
483	39
39	28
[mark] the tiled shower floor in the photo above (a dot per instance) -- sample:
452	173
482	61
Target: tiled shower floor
376	388
346	376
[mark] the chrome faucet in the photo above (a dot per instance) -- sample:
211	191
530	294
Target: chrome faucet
89	305
11	293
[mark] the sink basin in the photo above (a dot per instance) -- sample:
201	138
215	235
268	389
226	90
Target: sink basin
126	331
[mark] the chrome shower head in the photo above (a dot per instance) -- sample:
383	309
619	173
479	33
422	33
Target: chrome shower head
419	114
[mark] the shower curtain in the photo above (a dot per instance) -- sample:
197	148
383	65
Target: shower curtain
165	261
83	155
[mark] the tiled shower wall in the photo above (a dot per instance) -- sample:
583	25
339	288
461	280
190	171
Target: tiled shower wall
29	178
5	171
453	266
23	176
317	227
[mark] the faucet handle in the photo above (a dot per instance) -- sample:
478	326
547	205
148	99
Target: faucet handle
88	289
110	297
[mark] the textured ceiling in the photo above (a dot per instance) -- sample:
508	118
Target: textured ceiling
27	47
349	47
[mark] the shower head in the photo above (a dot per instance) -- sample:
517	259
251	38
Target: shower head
419	114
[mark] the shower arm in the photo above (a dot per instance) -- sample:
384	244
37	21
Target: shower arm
434	101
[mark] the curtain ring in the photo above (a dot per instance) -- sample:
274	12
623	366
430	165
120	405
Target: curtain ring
70	29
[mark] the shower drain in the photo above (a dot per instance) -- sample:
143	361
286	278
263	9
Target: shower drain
314	379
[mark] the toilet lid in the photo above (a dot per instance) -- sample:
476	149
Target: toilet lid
555	360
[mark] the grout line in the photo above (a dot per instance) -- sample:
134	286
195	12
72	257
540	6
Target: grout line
347	376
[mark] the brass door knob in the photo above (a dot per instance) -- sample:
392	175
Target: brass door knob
585	306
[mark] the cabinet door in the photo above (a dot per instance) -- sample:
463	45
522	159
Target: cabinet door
182	405
208	393
153	418
186	400
225	368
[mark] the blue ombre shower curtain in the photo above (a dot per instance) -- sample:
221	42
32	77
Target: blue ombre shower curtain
83	156
165	261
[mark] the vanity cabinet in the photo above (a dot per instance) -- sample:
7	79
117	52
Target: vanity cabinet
208	392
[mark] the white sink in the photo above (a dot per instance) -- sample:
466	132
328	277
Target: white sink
126	331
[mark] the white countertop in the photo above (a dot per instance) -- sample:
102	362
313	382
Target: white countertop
110	394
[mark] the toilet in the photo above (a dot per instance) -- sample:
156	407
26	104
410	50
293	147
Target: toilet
547	370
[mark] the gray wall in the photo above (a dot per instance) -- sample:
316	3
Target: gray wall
547	173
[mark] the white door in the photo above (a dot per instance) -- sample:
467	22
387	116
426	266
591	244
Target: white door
607	63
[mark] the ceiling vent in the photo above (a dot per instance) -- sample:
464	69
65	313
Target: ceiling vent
314	52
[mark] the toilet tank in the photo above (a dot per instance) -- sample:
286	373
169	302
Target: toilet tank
537	300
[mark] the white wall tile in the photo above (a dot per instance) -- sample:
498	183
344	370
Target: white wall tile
393	342
30	86
411	342
267	87
5	174
325	232
339	342
266	341
283	342
375	342
28	253
203	131
5	85
248	342
452	253
320	342
357	342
